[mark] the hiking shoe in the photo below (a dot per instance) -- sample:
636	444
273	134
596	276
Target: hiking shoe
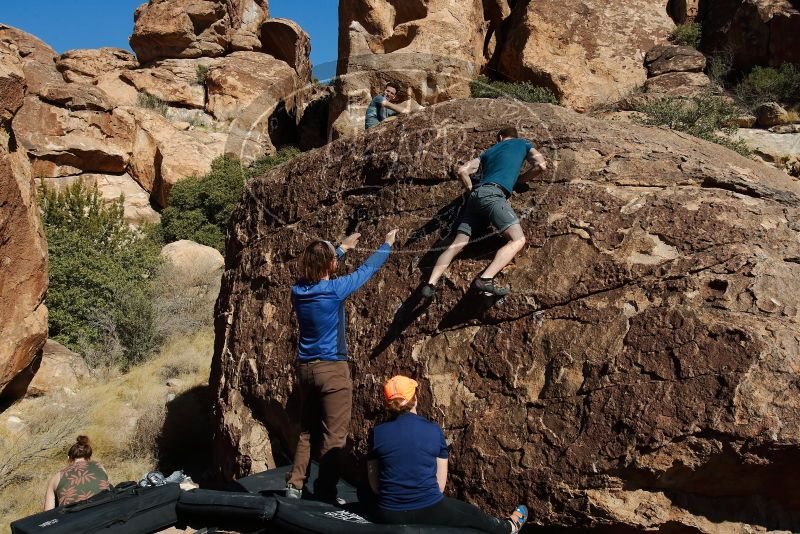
293	493
428	291
487	286
518	517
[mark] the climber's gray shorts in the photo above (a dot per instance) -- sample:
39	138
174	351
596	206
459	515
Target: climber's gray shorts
487	204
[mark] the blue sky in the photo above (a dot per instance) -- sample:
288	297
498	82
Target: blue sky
65	25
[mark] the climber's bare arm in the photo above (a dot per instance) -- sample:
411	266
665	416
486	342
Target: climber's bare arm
465	171
536	159
403	107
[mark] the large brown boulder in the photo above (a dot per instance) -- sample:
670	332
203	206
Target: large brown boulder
23	257
642	372
754	32
166	29
162	155
588	52
60	369
431	49
284	39
178	82
62	141
87	65
35	58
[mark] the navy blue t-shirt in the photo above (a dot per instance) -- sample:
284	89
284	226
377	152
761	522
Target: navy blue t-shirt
501	163
407	448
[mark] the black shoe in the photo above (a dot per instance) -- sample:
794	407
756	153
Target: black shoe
487	286
428	291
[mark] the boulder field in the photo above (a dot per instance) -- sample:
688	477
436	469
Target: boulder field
643	372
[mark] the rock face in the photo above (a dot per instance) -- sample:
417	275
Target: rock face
757	32
431	49
662	59
642	373
60	368
285	40
587	52
23	257
196	28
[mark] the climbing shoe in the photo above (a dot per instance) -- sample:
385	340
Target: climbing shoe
428	291
293	493
518	517
486	285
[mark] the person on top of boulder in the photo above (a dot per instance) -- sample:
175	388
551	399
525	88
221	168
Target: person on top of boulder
81	479
322	371
407	470
488	201
382	107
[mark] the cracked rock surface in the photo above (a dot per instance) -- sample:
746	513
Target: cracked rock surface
643	371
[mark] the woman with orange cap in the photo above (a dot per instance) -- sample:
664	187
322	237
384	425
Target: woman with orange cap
407	469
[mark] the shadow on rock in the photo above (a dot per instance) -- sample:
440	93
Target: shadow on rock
185	439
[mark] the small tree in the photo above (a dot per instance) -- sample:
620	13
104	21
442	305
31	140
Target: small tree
100	270
703	116
200	207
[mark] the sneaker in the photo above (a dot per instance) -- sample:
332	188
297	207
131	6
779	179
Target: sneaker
487	286
428	291
293	493
518	517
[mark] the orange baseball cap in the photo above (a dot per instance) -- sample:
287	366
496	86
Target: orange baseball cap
400	387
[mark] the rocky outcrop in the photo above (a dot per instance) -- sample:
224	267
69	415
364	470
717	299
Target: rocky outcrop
23	257
588	53
174	81
285	40
662	59
60	370
678	83
196	28
86	66
756	32
781	150
431	49
641	374
161	155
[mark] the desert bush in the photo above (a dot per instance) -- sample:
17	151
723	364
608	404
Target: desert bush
688	34
100	294
143	440
148	101
705	116
768	84
719	66
185	302
202	74
200	207
483	87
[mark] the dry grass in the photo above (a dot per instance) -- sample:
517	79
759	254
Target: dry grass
121	413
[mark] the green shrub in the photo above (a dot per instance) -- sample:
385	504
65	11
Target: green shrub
703	116
767	84
200	208
483	87
99	298
148	101
688	33
719	67
202	74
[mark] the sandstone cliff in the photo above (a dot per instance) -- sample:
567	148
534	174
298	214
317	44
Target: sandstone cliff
23	261
212	77
588	53
643	371
432	49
